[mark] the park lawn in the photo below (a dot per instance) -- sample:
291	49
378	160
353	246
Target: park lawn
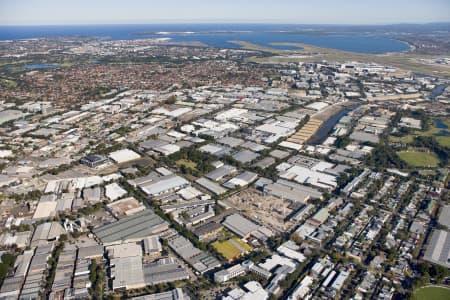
432	293
65	64
8	84
430	132
443	141
228	250
403	139
419	159
433	130
187	163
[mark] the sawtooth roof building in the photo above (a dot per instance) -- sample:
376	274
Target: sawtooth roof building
133	228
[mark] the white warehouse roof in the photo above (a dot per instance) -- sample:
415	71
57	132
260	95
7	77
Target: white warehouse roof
113	191
165	184
123	155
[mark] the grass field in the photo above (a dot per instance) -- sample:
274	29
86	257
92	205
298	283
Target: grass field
432	293
401	139
187	163
232	248
8	84
65	64
443	141
419	159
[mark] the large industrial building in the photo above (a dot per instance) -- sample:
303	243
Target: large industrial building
124	155
240	225
131	228
199	260
438	249
94	161
127	273
164	184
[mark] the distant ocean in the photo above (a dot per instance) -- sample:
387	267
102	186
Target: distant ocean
350	38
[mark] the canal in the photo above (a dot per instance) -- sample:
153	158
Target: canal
322	133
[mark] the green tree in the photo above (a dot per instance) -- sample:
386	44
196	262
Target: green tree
171	99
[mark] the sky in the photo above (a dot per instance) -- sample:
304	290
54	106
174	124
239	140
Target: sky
51	12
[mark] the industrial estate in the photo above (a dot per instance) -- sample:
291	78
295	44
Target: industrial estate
147	169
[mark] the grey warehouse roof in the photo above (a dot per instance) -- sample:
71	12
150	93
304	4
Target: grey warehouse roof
438	250
140	225
240	225
444	216
164	184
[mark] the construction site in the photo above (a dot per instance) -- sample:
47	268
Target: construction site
263	209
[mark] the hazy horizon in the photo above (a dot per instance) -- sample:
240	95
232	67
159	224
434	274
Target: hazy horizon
193	22
319	12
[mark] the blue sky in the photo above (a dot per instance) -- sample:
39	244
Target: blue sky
31	12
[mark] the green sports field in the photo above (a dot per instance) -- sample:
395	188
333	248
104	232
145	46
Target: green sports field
432	293
419	159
